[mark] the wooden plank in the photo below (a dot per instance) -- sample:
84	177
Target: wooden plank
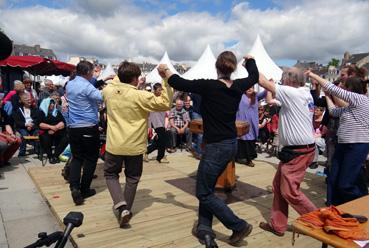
163	213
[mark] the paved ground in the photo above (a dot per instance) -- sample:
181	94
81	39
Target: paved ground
23	211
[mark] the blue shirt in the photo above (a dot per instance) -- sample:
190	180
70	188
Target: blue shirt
83	100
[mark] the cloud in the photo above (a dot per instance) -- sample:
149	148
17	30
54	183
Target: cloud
120	29
315	30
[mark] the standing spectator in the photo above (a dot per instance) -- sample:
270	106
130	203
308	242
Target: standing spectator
263	126
179	120
319	133
24	119
52	129
196	114
157	120
32	93
128	110
84	139
248	111
296	136
49	88
9	143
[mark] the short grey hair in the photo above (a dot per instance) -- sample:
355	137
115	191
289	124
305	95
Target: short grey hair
17	82
48	81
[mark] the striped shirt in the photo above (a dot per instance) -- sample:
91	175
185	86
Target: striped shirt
354	119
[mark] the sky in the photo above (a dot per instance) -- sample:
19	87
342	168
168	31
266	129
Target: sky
142	30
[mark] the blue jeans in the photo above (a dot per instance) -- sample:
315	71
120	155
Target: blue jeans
213	162
197	138
346	180
25	132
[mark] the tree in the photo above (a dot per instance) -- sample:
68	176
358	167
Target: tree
334	62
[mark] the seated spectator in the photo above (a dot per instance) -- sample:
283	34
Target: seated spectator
11	100
28	89
24	121
9	143
49	88
178	122
52	130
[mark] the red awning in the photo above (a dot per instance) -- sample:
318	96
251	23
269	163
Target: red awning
38	66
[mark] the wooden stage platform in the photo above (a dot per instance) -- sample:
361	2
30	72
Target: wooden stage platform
165	208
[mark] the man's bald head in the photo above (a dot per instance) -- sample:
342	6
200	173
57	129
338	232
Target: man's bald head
293	77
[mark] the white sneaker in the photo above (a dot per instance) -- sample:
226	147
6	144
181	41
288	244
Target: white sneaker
164	160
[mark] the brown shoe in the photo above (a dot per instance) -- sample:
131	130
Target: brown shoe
238	236
266	227
250	164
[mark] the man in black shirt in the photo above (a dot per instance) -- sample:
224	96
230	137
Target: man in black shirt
220	100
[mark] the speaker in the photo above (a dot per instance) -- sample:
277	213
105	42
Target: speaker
6	46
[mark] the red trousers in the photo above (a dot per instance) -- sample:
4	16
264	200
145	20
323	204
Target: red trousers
9	151
286	188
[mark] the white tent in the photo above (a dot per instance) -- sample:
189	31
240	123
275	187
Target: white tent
265	64
108	71
153	76
204	68
57	80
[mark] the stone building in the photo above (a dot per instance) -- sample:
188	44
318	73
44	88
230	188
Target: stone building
36	50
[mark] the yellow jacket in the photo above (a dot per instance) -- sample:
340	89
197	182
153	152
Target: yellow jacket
127	112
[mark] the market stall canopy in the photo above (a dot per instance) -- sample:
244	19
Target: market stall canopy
38	65
204	68
153	76
265	64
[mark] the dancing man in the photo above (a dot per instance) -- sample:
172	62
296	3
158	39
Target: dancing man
127	112
296	136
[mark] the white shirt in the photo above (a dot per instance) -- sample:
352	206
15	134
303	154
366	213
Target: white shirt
296	116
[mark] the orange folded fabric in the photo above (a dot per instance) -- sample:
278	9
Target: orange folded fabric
329	219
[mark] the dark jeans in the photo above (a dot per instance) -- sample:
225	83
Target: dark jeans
59	139
197	138
159	143
25	132
346	180
186	135
132	171
213	162
84	144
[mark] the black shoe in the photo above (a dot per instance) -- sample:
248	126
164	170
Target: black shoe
237	236
88	193
77	197
204	237
242	161
124	217
53	160
21	154
210	242
313	165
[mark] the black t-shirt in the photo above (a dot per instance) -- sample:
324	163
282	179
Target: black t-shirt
219	104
